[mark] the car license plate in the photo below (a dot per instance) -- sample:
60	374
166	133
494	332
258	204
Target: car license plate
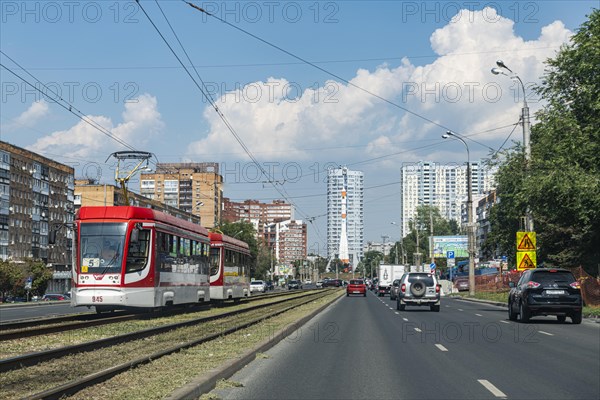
356	291
555	292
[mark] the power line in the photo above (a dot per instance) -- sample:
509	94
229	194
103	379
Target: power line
208	97
377	59
63	103
316	66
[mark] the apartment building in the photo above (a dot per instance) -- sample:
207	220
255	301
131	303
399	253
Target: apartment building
36	196
288	239
91	193
341	180
260	214
196	188
442	185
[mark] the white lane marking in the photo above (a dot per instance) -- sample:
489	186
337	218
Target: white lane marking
441	347
504	322
417	329
396	312
405	319
546	333
489	386
460	309
391	308
479	315
447	306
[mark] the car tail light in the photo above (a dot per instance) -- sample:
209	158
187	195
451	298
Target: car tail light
403	287
575	285
533	285
437	288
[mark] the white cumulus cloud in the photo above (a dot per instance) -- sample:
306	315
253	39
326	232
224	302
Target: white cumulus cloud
141	120
30	117
456	90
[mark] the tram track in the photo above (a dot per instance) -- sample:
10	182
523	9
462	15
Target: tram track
97	366
45	326
32	357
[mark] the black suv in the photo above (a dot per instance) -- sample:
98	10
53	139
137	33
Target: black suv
333	283
544	291
294	285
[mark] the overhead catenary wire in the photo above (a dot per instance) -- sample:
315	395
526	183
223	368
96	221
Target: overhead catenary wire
62	102
373	59
312	64
202	88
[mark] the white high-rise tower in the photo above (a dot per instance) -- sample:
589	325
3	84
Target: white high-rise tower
345	215
343	250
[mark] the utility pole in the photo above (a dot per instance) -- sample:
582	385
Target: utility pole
526	131
417	254
470	225
431	235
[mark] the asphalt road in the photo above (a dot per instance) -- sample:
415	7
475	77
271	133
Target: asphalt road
20	311
362	348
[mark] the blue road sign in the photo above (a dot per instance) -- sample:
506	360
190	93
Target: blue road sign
450	254
432	267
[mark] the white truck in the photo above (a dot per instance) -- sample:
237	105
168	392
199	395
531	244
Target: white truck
386	275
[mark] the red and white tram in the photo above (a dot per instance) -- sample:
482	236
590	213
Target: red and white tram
229	268
134	257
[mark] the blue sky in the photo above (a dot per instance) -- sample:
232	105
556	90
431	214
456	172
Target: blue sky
432	58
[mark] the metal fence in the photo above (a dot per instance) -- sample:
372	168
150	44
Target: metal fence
590	286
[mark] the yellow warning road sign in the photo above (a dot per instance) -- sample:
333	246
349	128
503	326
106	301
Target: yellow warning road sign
526	260
526	241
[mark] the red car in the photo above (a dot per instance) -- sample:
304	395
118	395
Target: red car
356	286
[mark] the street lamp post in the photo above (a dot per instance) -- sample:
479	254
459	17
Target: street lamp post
417	254
430	230
526	128
400	243
470	230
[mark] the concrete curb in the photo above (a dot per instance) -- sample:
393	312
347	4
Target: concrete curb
208	382
494	303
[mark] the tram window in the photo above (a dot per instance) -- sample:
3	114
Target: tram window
137	255
173	246
215	258
164	259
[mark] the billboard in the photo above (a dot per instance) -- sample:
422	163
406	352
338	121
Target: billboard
443	244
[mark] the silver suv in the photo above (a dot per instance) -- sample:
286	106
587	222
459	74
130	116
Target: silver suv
418	289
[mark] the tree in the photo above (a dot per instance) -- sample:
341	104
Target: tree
265	261
370	262
320	263
562	185
13	277
426	216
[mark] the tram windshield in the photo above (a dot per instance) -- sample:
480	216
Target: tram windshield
101	247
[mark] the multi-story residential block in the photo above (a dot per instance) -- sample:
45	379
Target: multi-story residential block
483	226
352	182
91	193
288	240
260	214
36	196
384	248
196	188
440	185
